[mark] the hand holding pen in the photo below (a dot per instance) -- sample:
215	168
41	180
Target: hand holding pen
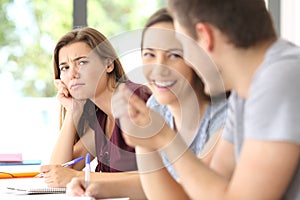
67	164
72	162
59	175
81	187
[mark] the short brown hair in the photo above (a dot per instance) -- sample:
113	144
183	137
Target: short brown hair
244	22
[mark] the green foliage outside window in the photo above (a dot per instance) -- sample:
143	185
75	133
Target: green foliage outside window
30	29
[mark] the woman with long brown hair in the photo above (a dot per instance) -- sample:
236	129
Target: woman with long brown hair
87	71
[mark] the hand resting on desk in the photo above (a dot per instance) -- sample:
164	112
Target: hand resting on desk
57	175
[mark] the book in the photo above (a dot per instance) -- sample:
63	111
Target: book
32	186
10	157
22	187
22	162
4	175
28	190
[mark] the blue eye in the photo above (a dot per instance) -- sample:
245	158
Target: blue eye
83	62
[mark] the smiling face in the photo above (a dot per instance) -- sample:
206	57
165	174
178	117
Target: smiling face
82	71
168	75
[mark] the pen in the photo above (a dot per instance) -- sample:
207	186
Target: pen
87	170
67	164
72	162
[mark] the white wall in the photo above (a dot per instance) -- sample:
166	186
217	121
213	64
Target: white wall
29	126
290	20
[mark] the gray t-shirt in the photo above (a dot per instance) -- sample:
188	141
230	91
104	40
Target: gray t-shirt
213	120
272	110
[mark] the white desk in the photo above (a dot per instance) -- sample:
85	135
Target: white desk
41	197
20	168
10	195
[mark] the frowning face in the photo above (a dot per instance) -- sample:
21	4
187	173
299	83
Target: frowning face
81	70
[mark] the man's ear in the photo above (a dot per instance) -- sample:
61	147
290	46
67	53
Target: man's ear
204	36
109	65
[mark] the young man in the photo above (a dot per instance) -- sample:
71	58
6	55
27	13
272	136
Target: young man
258	156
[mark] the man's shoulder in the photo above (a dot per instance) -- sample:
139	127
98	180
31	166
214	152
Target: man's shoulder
282	51
280	68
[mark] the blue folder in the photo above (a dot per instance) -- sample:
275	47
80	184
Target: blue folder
24	162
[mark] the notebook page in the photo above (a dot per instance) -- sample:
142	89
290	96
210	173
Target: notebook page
42	197
31	186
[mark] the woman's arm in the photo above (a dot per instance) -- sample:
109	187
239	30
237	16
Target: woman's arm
156	180
57	176
264	170
63	149
223	160
209	149
254	177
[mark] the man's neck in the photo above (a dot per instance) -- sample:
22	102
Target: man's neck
242	65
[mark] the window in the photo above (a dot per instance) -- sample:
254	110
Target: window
290	20
29	109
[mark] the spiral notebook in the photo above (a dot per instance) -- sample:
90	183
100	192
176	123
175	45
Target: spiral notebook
32	186
29	190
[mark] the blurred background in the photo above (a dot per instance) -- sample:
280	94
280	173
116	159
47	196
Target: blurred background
29	30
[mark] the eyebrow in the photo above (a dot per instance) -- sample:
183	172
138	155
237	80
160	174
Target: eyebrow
175	49
147	48
172	49
75	59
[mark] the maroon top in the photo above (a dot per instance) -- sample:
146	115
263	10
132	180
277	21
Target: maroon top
114	155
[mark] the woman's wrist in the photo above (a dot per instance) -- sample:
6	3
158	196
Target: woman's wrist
165	137
174	146
148	160
79	174
73	115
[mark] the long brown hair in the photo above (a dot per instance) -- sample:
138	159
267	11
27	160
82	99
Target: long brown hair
99	43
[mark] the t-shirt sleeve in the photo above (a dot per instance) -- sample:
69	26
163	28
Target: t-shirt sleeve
272	111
